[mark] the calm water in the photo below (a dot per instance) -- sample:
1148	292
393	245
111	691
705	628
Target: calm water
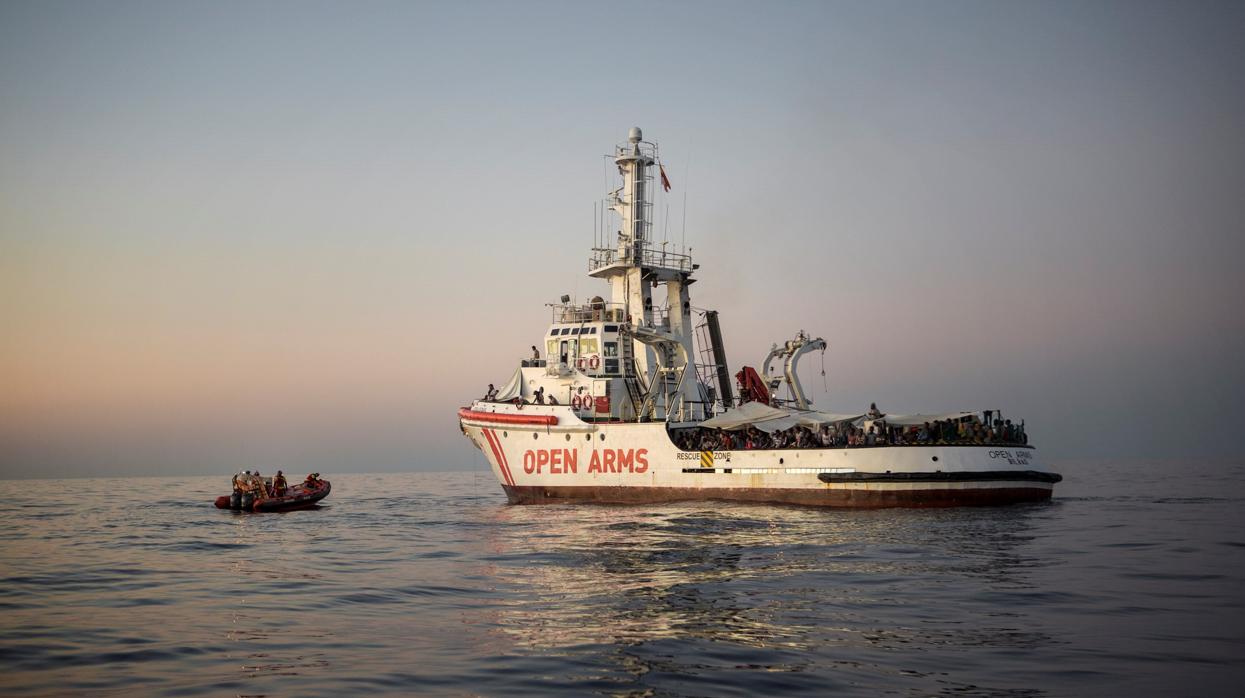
1130	583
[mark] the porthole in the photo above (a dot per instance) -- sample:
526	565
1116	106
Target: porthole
535	436
780	461
505	434
935	459
587	437
602	436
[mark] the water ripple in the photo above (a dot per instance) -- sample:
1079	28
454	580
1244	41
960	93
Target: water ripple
431	584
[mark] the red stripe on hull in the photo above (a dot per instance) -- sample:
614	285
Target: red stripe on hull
846	498
544	420
498	454
501	453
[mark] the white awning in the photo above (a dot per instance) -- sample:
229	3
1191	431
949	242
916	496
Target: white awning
814	418
771	419
769	426
513	389
905	420
743	416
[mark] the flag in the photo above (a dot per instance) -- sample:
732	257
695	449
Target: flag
665	181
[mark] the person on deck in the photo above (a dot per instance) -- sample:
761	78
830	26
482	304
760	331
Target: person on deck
491	393
279	485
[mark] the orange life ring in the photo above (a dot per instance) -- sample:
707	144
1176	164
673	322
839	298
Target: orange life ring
594	362
576	403
579	363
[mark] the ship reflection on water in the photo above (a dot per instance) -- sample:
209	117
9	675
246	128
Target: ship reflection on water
432	585
772	588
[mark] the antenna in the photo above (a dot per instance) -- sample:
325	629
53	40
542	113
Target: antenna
687	177
605	187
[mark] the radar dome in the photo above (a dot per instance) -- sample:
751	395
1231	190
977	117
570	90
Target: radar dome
635	136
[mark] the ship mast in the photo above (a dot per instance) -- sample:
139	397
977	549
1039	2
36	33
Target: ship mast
661	336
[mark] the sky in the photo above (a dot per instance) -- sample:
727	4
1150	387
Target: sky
301	234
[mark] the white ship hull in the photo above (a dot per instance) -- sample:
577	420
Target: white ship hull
545	454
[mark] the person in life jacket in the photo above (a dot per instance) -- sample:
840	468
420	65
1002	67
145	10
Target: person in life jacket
279	485
313	480
261	487
242	481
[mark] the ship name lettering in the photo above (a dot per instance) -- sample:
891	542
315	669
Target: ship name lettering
619	460
559	461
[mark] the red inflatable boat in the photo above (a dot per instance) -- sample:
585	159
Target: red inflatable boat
300	496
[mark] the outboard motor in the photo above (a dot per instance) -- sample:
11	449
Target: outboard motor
235	500
248	501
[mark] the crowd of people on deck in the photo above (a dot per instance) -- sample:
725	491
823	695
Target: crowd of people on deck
967	430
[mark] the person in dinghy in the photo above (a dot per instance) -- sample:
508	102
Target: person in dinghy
252	494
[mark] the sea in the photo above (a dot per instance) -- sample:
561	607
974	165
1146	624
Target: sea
1130	582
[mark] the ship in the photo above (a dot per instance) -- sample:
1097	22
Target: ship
628	399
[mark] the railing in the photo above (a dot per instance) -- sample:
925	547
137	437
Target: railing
590	312
647	150
646	255
659	319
